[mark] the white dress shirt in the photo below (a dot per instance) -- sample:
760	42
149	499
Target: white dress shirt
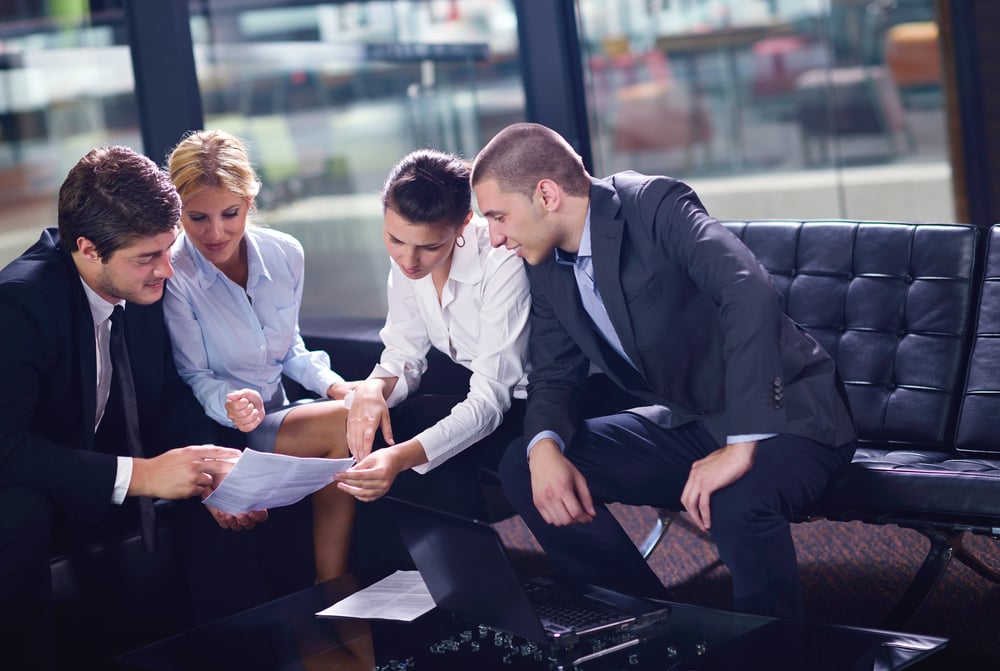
225	338
101	311
481	323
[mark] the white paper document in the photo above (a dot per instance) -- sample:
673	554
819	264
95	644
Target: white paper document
262	480
400	596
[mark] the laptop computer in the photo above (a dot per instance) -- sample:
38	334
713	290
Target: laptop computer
468	572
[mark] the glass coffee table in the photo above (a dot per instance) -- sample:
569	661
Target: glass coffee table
285	634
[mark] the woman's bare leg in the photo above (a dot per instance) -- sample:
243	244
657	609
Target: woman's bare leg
319	430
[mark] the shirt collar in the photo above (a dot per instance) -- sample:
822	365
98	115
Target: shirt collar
585	251
207	273
100	309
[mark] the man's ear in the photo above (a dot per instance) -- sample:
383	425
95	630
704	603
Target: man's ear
86	249
549	194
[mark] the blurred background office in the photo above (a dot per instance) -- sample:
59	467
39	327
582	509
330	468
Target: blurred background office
769	108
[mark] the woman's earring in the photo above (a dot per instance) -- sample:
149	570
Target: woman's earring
460	240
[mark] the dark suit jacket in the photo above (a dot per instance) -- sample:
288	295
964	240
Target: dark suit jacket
48	383
695	312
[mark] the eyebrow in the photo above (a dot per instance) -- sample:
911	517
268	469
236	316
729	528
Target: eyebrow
429	244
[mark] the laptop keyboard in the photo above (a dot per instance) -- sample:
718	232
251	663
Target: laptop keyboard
566	611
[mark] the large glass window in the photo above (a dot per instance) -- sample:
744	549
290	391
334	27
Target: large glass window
66	86
774	108
331	95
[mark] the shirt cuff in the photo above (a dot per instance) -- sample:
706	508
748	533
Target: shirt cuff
748	437
123	478
542	435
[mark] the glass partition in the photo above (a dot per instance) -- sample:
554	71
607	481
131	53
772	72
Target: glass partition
774	108
66	86
331	95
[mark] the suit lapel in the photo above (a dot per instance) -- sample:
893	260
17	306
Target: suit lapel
578	323
84	336
607	232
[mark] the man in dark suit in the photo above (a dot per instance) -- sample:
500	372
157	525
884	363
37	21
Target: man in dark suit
739	416
63	459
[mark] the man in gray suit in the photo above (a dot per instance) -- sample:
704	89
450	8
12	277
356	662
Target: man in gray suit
739	417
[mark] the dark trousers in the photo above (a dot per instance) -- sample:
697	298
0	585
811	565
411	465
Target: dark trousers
627	459
25	586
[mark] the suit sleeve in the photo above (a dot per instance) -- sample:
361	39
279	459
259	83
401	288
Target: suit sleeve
558	371
33	352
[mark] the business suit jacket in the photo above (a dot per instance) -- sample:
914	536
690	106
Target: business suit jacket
695	312
48	374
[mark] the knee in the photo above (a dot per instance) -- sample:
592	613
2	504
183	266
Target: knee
738	515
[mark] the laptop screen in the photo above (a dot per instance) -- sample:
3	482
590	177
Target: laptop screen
466	569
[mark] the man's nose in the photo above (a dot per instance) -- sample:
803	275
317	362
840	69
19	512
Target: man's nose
497	239
165	269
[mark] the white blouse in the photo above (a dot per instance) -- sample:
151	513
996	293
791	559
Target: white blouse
481	323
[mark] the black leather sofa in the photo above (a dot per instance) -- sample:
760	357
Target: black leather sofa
911	313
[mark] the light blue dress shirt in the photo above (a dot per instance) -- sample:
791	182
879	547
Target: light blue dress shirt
226	339
590	295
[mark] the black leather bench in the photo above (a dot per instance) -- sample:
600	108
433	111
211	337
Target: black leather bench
896	304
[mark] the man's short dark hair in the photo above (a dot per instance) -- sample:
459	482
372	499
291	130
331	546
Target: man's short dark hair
523	154
114	196
429	187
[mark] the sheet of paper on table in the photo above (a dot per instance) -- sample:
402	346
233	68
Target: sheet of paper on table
262	480
399	596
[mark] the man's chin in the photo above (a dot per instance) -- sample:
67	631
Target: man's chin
148	296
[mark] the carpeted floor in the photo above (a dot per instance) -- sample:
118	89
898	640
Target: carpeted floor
852	574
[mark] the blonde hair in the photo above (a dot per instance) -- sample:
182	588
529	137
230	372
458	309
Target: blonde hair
211	159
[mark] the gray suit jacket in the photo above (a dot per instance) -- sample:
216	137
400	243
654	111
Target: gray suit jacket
695	312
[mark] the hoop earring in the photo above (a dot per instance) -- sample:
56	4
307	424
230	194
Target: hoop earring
460	241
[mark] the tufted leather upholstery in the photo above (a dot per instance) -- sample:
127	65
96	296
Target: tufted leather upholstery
979	421
894	304
890	302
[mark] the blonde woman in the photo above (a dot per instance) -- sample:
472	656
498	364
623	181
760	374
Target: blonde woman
232	309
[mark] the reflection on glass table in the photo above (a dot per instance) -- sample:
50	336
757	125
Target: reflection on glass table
285	634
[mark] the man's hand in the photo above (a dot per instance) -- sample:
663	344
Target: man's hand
371	478
559	490
368	413
719	469
246	408
182	472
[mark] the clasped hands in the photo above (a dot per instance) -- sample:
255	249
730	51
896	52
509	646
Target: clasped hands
561	495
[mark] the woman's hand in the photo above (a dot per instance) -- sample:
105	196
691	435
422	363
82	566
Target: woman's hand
370	478
246	408
367	414
341	389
